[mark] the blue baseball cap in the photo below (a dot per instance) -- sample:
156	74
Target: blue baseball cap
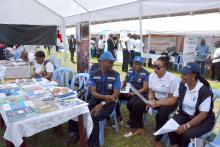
107	56
190	68
139	59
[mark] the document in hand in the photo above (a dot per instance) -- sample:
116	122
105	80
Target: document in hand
139	95
126	89
170	126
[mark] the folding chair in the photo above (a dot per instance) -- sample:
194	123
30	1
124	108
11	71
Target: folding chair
63	76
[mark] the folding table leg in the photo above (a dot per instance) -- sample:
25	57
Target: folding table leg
82	132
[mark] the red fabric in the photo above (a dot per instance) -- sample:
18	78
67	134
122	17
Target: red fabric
59	36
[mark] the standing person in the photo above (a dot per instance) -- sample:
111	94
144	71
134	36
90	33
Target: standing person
101	46
194	97
137	77
93	47
132	52
111	45
126	53
139	46
216	61
72	47
202	51
105	86
162	85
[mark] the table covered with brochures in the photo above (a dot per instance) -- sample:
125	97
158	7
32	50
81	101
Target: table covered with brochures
30	106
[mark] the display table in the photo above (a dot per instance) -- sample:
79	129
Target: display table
17	129
15	70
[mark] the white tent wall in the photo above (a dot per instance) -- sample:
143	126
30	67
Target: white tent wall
27	12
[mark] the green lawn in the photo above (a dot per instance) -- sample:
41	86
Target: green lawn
49	139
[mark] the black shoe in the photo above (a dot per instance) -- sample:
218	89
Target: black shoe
73	139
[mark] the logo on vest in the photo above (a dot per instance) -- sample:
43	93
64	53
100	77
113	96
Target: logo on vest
110	86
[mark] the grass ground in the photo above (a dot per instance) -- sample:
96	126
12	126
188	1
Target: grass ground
49	139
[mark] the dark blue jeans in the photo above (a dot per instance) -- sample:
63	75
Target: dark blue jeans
202	66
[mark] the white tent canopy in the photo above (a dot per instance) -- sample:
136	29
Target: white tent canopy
205	24
67	12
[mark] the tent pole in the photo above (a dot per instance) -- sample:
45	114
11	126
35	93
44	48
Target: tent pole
89	39
63	32
140	20
149	37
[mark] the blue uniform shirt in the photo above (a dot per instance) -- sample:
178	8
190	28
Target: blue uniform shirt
116	85
202	52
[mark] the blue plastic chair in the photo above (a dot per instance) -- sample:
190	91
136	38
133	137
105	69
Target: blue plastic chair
56	62
83	80
214	143
178	62
63	76
102	124
207	136
216	94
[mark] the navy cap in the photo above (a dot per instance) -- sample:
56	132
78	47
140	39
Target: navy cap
190	68
139	59
106	56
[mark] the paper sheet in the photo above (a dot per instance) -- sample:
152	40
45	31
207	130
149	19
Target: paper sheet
170	126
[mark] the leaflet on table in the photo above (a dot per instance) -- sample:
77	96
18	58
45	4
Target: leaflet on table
45	106
17	105
63	92
20	113
13	99
170	126
74	102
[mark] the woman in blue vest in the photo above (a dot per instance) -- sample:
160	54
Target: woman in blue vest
138	77
194	97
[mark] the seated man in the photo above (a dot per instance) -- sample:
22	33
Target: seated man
43	68
105	85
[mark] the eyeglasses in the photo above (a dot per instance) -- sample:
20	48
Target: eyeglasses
157	67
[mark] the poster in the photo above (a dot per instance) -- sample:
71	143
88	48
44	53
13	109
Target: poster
160	43
82	39
190	44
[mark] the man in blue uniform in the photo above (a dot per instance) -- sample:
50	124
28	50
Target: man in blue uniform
105	86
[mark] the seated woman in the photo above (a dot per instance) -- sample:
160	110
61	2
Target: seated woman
138	77
194	97
162	85
43	68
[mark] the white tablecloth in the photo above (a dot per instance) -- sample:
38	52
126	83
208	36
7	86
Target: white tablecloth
25	128
16	69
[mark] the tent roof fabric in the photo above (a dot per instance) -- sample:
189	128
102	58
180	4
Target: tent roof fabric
68	12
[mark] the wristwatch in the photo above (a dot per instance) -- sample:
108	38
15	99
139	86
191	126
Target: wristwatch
103	103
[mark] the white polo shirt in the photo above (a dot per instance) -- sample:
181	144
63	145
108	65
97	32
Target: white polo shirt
216	54
162	87
40	67
138	46
191	98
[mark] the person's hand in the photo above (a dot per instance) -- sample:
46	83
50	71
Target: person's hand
152	103
181	129
130	94
97	109
109	98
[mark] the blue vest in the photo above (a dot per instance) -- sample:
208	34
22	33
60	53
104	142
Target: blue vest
204	92
104	84
136	79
